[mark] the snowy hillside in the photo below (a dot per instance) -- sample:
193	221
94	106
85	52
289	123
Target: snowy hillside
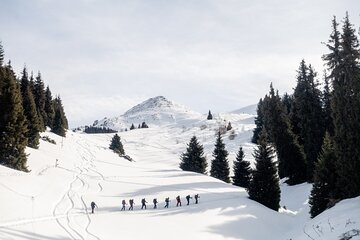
157	110
52	202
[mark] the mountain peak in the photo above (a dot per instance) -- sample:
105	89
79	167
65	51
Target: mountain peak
155	103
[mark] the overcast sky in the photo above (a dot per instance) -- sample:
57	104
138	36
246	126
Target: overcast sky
103	57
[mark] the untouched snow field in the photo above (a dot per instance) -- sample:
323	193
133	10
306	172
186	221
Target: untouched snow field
53	202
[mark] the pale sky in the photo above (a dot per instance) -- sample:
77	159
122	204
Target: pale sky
104	57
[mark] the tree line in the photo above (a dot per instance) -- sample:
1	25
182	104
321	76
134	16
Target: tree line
314	131
26	109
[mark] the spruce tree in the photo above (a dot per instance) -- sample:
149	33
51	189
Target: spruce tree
49	108
264	185
324	179
60	121
229	127
346	110
326	99
291	157
307	106
209	117
29	107
116	145
242	170
259	122
193	159
220	165
132	126
39	94
1	55
288	101
13	126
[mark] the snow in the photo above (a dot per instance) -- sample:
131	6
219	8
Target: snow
52	202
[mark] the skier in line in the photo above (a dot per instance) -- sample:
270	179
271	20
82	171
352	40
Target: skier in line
188	199
155	202
93	205
123	205
196	198
178	201
143	203
167	202
131	202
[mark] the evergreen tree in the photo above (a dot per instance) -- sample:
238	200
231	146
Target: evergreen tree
193	159
326	99
144	125
308	111
291	158
264	185
29	107
13	127
259	122
324	179
220	165
345	75
209	117
1	55
132	126
60	121
49	108
242	170
39	94
229	127
116	145
288	101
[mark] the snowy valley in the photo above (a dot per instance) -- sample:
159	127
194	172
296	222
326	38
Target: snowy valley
52	201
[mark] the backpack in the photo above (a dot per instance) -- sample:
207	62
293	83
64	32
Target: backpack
123	202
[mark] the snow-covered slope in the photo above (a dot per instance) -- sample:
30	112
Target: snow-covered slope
154	111
52	202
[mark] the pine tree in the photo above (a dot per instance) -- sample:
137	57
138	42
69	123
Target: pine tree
326	99
1	55
308	111
209	117
193	159
116	145
324	179
39	94
13	127
288	101
229	127
60	121
132	126
291	158
264	185
29	107
242	170
259	122
346	109
220	165
49	108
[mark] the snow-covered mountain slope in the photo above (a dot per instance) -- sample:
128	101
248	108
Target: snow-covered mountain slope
52	201
154	111
251	109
